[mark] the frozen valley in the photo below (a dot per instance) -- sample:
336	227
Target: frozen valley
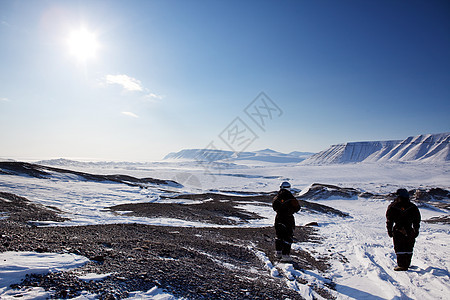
81	220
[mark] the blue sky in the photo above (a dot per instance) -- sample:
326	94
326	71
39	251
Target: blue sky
168	75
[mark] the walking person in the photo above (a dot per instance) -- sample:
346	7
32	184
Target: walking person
286	205
403	223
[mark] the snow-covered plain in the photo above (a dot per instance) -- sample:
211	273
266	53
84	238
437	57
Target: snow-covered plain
361	252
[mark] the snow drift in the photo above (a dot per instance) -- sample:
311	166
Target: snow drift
427	148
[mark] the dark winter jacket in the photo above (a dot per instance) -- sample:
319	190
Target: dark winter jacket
285	204
403	217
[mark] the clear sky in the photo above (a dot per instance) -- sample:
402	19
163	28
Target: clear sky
134	80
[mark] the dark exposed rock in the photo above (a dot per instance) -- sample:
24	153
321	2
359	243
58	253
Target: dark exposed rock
20	209
320	208
371	196
439	194
431	196
425	195
421	196
254	197
214	212
312	224
435	197
324	191
442	219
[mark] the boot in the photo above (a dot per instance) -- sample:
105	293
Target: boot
400	269
403	261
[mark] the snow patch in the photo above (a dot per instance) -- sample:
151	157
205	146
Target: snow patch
153	294
94	276
15	265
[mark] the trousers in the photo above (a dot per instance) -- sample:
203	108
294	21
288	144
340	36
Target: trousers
403	246
284	237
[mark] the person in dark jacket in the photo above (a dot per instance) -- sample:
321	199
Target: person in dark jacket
286	205
403	223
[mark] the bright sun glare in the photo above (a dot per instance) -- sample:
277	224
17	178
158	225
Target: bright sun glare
83	44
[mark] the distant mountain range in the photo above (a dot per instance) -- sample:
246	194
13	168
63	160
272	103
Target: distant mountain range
423	148
266	155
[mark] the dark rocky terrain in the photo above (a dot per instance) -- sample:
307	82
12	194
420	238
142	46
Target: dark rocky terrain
196	263
20	210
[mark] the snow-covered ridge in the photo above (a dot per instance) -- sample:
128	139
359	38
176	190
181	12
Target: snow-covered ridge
40	171
63	162
266	155
424	148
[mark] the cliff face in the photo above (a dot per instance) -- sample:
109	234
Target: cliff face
427	148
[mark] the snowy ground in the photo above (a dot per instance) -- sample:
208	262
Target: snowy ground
15	265
361	252
364	258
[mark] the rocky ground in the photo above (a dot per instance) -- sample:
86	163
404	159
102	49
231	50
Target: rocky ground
196	263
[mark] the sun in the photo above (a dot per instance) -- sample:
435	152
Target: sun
83	44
